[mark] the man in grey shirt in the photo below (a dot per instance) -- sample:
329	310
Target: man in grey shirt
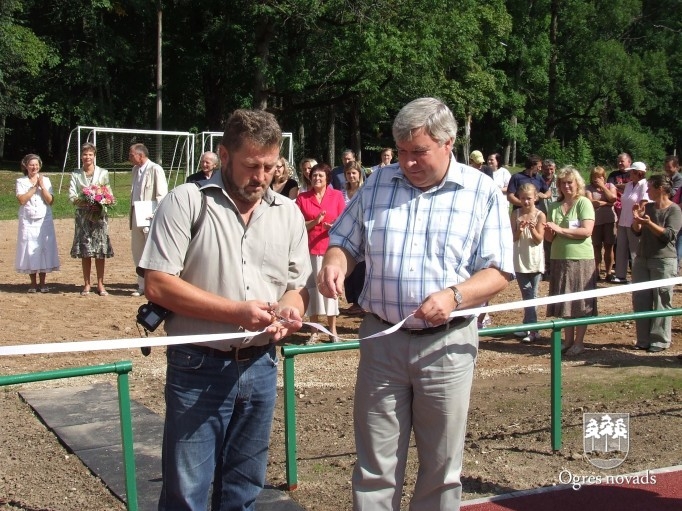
245	269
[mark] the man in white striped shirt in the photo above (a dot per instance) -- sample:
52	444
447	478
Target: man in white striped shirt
435	236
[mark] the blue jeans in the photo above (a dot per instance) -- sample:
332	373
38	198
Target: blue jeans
529	284
217	430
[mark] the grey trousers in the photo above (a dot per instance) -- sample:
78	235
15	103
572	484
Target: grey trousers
626	242
411	383
653	331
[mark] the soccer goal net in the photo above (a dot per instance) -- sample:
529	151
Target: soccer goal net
173	150
211	139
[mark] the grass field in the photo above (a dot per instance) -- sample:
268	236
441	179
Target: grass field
62	208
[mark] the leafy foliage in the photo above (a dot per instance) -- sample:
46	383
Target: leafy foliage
567	77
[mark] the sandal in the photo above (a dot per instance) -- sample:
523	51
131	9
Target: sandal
32	289
103	292
355	310
575	350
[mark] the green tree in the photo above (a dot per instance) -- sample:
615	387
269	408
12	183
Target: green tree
22	56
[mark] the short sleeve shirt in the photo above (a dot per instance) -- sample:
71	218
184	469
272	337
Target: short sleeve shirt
634	193
521	177
565	248
258	261
332	204
418	242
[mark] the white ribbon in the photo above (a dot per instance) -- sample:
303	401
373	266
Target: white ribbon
242	338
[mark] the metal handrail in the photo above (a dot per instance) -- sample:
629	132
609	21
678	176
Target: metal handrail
121	369
556	326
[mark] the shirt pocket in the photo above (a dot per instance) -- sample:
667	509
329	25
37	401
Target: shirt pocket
275	266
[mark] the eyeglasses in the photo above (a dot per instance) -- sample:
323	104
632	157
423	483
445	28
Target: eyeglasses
279	166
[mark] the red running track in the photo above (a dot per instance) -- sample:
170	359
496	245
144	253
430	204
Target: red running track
665	494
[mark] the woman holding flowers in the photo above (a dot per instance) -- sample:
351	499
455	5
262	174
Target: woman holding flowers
89	191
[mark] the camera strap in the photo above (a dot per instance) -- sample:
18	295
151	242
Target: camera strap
194	229
202	215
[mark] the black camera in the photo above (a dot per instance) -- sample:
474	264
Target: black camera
150	315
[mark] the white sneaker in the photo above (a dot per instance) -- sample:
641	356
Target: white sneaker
138	292
529	338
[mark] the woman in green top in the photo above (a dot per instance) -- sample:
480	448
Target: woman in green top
569	228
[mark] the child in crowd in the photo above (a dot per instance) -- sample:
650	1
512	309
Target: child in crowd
528	226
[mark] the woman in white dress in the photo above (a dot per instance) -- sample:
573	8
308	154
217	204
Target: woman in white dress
36	241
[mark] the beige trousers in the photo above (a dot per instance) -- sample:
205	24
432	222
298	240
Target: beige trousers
408	383
138	238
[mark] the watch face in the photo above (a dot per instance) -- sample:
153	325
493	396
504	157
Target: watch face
458	295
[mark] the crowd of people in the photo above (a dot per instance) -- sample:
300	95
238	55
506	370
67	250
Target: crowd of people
587	232
91	194
407	243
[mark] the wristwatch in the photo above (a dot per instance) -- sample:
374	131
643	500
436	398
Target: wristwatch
458	296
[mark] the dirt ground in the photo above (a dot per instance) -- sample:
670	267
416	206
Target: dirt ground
508	440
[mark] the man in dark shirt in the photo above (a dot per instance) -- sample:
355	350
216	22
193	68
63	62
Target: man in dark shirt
529	174
620	177
338	177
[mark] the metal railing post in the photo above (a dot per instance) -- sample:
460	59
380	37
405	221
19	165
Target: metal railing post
555	389
290	421
121	369
127	440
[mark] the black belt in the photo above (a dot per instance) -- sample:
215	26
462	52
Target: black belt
237	354
453	323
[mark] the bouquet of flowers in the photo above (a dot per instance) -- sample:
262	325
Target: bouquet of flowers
97	198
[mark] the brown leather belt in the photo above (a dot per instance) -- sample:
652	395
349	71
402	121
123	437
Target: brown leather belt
237	354
453	323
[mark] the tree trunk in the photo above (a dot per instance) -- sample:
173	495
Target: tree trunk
552	87
159	80
356	143
513	156
301	143
264	34
466	143
3	120
331	136
159	66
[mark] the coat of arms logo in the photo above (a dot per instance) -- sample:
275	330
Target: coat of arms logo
606	438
